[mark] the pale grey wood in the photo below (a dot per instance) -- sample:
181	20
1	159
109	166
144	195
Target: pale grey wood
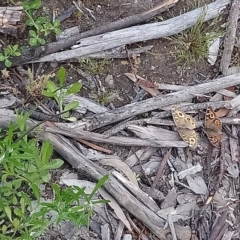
122	141
85	104
137	192
133	109
117	190
230	37
138	33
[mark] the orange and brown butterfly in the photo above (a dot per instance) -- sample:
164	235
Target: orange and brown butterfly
213	127
185	126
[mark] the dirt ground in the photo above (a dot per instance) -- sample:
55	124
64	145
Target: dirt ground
158	65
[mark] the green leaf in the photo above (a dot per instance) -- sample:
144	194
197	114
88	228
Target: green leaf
47	150
7	50
18	212
33	41
15	48
41	20
48	25
2	57
57	31
48	94
98	185
36	4
36	191
17	54
57	191
56	23
71	119
4	229
8	212
29	23
51	86
41	41
54	164
61	76
7	63
75	88
46	178
71	105
16	224
32	33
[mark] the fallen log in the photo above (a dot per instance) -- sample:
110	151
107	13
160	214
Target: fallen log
138	33
33	53
93	171
11	21
112	116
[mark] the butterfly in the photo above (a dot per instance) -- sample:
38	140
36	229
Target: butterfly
185	126
213	127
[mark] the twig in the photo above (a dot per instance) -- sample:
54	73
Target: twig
171	226
36	53
230	37
216	232
161	168
99	120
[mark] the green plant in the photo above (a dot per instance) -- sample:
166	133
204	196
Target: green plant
9	51
105	98
59	94
23	167
192	44
72	203
42	26
94	66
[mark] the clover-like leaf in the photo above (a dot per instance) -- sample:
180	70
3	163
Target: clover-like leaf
61	76
75	88
51	86
71	105
8	63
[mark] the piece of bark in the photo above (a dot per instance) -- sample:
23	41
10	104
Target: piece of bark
230	37
234	145
37	52
126	199
133	109
137	33
78	161
122	141
137	192
11	20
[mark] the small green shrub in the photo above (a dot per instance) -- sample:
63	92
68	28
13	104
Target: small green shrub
192	44
59	94
9	51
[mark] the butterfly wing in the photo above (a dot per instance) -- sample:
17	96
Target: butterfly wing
183	120
189	136
213	127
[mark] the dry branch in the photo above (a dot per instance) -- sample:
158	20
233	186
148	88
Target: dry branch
35	53
126	199
133	109
89	169
138	33
230	37
10	20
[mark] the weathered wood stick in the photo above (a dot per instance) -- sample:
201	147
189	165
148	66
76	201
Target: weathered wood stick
116	189
37	52
133	109
138	33
10	20
89	169
230	36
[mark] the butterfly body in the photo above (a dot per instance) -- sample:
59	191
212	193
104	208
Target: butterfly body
185	126
213	127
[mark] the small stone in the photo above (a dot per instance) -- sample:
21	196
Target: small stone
109	80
